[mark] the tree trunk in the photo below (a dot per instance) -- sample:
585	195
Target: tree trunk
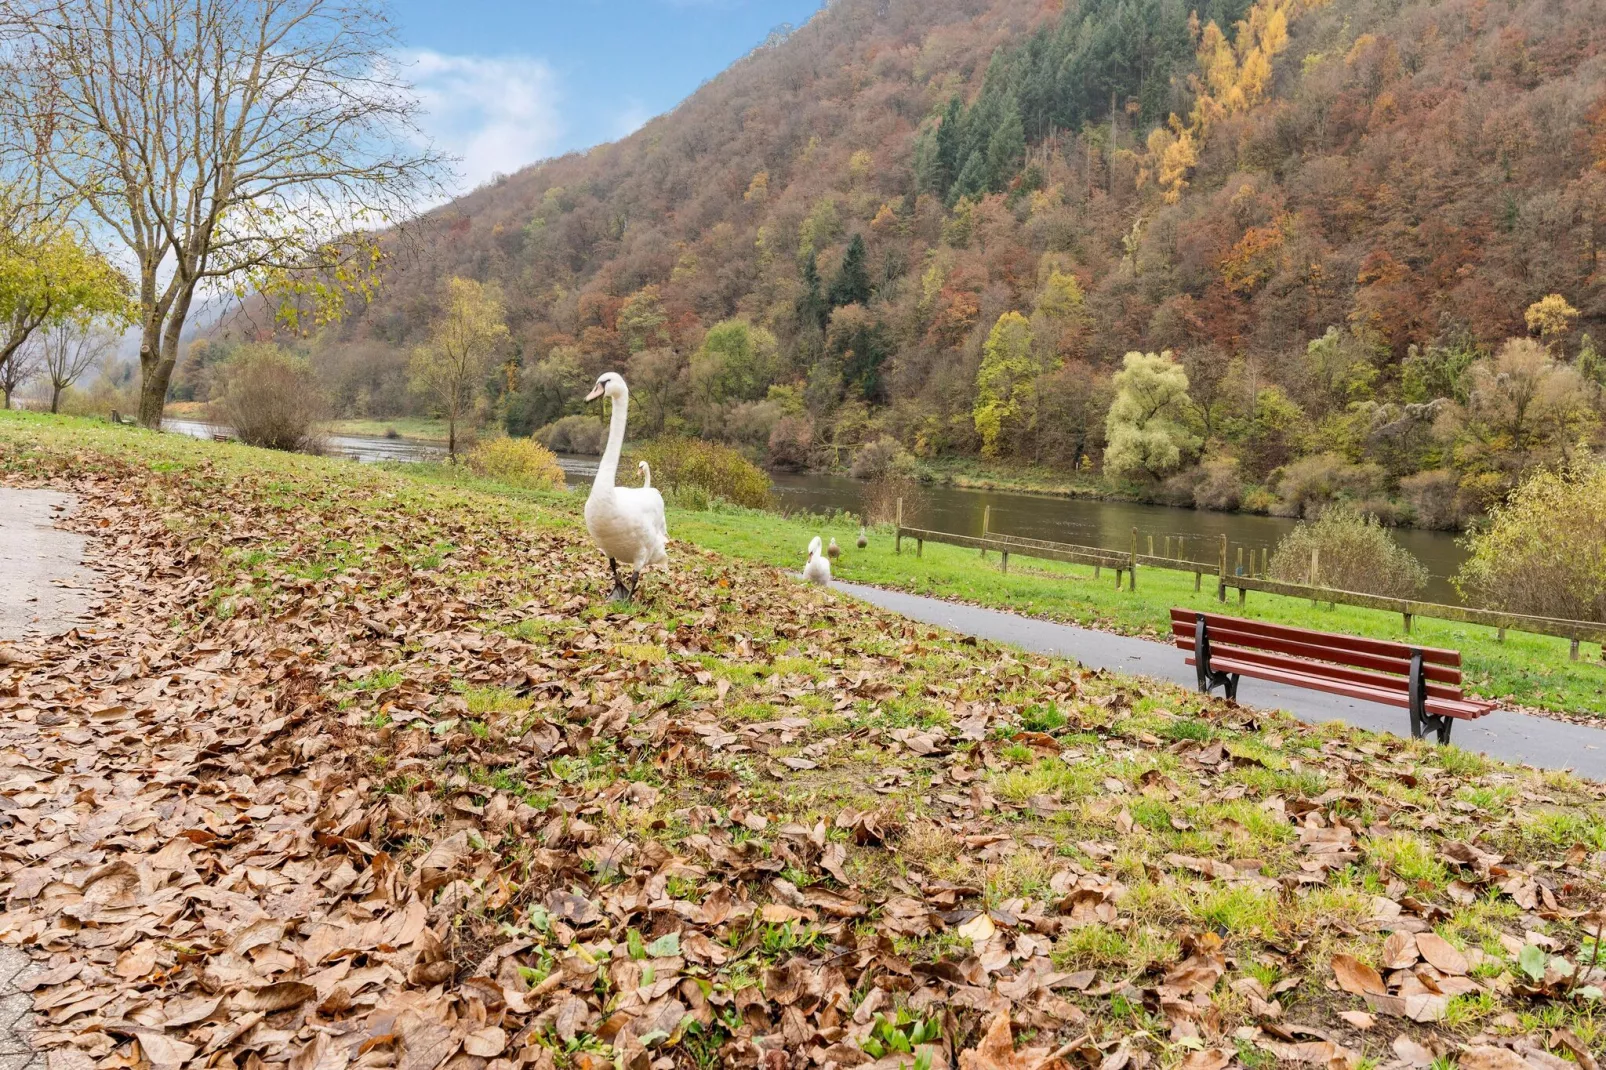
158	355
55	398
451	437
152	380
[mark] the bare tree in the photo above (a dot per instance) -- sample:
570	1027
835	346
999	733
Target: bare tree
68	350
231	145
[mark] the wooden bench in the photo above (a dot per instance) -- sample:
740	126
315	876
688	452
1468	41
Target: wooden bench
1423	680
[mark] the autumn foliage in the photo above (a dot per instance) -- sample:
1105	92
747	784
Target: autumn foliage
890	190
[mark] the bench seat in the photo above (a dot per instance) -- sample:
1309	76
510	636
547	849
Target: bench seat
1423	680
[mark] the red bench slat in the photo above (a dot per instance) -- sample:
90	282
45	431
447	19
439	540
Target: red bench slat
1379	647
1229	635
1366	678
1457	708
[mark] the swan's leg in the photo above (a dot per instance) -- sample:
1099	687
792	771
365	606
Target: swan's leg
619	593
635	582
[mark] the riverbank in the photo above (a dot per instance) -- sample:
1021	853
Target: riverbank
734	817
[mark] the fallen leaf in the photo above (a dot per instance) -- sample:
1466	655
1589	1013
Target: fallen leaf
1357	977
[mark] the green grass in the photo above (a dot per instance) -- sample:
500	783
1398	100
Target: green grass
422	428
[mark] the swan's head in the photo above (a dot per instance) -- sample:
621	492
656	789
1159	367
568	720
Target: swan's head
814	547
641	466
610	385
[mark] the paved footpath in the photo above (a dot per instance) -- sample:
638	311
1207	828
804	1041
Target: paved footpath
1513	737
44	588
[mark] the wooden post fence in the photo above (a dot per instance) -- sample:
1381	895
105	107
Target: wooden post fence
1132	568
897	542
986	525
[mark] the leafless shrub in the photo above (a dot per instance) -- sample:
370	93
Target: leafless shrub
272	399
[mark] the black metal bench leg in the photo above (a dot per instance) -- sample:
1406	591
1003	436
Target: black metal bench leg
1209	679
1423	722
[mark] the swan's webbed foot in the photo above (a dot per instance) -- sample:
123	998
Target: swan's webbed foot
635	582
620	592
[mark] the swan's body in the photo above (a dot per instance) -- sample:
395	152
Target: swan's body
864	540
626	523
646	473
818	570
833	551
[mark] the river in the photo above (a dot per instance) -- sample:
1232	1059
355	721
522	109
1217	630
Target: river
1195	533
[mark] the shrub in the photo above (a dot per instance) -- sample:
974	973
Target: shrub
1544	550
272	399
884	456
1310	483
878	503
1355	553
574	434
1176	490
722	472
518	462
1218	486
1433	497
791	439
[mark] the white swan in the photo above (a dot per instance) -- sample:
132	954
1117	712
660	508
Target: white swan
626	523
818	570
646	473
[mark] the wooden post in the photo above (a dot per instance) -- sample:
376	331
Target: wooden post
1096	569
1221	572
1500	636
1132	565
897	539
1407	617
1003	561
1151	545
1198	578
1315	564
1265	561
1168	547
986	525
1240	564
920	547
1243	596
1573	654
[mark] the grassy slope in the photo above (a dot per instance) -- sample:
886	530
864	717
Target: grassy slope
1081	810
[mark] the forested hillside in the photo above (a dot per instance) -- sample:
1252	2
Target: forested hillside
947	221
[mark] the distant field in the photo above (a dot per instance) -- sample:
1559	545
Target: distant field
419	427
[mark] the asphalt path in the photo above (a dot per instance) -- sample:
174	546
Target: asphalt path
1504	734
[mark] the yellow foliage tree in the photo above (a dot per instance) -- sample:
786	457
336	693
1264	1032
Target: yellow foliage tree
1551	317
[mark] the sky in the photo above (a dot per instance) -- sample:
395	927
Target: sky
505	83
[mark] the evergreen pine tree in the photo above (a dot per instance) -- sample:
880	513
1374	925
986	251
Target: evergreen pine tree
811	307
852	283
947	162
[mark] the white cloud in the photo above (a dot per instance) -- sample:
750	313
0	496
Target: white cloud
497	114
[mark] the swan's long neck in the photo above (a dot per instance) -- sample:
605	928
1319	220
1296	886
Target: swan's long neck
608	469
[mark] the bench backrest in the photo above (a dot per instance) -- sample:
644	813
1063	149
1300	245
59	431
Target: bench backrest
1374	663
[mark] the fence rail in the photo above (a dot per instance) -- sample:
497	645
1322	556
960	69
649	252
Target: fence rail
1126	562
